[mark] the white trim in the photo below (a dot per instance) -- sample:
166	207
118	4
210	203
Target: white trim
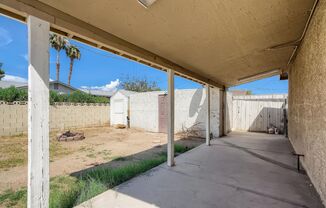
208	119
38	113
170	126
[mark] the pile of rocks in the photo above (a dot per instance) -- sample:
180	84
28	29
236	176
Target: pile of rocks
70	136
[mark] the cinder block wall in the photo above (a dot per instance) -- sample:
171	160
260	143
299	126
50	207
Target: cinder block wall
307	100
13	117
190	111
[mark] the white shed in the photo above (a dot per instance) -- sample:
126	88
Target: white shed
119	110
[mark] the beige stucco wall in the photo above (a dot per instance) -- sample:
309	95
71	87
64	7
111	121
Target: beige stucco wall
144	110
307	101
13	117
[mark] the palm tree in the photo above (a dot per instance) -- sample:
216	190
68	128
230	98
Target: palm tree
2	72
58	43
73	53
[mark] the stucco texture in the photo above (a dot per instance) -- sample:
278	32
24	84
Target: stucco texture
144	111
190	111
307	100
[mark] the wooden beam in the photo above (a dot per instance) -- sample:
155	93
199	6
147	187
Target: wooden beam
208	115
38	113
66	24
170	125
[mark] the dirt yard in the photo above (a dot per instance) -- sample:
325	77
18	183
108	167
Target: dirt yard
102	146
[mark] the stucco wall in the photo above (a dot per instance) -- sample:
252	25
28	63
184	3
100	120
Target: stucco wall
13	117
191	108
307	100
190	111
144	111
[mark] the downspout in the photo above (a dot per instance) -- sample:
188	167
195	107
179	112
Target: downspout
298	42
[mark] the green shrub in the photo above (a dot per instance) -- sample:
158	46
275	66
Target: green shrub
81	97
12	94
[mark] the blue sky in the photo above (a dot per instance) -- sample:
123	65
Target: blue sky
98	69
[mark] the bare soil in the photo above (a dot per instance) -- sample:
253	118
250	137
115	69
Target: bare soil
103	146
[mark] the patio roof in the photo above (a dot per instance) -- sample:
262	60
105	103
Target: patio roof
216	42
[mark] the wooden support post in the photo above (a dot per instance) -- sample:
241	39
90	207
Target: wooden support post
38	113
222	112
170	126
225	113
208	116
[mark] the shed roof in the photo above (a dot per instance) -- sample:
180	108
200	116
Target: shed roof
126	93
103	93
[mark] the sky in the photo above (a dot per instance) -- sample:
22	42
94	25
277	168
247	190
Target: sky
98	69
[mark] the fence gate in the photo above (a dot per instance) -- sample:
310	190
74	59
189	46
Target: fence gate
258	112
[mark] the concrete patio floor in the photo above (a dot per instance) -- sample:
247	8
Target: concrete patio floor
237	171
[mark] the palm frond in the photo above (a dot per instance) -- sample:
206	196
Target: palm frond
58	42
73	52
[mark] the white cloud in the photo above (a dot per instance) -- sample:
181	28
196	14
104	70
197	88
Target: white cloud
111	87
5	37
13	78
25	57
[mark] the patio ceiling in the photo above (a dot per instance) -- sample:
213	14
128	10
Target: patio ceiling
212	41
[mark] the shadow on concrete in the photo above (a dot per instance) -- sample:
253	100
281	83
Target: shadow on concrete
189	142
267	159
226	174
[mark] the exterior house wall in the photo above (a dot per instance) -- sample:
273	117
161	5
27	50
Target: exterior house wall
60	88
119	109
307	100
190	111
55	86
13	118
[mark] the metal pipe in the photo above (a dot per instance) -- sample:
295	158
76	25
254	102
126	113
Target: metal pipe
304	32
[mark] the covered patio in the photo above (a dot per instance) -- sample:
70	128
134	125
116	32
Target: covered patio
239	170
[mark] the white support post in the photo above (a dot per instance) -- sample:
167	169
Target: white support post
38	113
208	116
170	159
225	113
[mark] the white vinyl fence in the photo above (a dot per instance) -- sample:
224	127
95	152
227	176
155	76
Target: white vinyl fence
257	112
